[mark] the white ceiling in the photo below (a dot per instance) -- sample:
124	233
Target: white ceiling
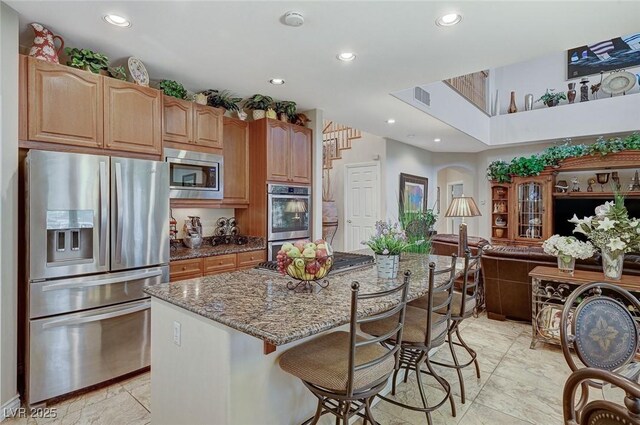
240	45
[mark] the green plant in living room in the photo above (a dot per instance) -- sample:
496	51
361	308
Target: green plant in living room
501	171
418	227
223	99
87	59
552	99
118	72
173	88
286	108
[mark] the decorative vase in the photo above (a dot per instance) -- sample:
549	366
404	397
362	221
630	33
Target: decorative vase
44	47
200	99
571	94
512	106
258	114
242	115
584	90
528	102
387	266
566	264
612	264
271	114
499	233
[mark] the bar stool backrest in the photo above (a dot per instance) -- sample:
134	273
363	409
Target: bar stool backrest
395	334
443	309
470	280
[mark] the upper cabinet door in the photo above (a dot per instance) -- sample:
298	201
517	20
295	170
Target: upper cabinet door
177	122
208	126
236	160
132	117
278	151
65	105
300	154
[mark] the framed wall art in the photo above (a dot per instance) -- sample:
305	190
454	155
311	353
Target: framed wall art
413	193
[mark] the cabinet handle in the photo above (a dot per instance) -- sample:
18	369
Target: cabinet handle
251	257
184	267
220	263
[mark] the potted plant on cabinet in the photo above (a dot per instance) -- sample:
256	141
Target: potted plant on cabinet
88	60
223	99
259	104
286	110
118	73
173	88
552	99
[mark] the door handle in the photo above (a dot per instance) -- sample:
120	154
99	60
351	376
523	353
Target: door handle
97	317
83	283
104	213
120	212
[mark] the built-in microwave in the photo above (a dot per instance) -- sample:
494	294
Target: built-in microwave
194	175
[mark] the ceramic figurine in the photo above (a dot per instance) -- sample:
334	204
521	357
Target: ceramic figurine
591	182
242	115
44	47
576	185
271	113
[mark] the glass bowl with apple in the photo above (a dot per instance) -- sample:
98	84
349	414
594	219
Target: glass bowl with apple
306	262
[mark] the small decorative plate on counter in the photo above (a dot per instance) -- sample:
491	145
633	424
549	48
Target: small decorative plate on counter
138	71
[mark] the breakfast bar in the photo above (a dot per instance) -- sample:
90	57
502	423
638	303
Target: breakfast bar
208	337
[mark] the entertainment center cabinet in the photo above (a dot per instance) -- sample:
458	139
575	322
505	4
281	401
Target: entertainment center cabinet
528	210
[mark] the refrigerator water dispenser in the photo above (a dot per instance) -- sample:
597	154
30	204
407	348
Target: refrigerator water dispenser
69	236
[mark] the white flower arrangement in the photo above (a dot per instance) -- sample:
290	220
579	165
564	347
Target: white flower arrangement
568	246
611	230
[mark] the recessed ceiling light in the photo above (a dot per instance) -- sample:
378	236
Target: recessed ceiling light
276	81
448	20
436	140
117	20
391	121
346	56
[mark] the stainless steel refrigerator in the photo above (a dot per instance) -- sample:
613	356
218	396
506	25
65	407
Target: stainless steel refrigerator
98	233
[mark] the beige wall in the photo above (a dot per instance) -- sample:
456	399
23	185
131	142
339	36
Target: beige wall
369	148
8	202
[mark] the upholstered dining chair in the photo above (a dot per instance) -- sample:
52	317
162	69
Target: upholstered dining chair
601	412
598	325
424	329
462	307
344	370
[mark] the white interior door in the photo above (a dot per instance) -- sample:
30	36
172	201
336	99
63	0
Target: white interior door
362	203
455	190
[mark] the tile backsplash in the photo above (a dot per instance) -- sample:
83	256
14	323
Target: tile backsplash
208	218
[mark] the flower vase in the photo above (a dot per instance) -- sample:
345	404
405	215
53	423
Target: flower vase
566	264
387	266
612	264
512	106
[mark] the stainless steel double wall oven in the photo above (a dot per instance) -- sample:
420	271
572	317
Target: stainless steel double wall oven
289	212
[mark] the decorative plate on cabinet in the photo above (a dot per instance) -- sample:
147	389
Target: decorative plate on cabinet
618	82
138	72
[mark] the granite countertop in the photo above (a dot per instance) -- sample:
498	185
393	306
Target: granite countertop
258	302
181	252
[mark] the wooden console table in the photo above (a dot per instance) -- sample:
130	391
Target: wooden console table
550	289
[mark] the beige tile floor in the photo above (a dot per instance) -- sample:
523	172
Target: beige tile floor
518	386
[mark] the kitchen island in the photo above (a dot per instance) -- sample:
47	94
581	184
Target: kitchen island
208	336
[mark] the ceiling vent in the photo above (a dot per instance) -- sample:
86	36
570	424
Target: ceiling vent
422	96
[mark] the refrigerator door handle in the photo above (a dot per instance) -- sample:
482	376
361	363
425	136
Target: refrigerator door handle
104	212
97	317
82	283
120	212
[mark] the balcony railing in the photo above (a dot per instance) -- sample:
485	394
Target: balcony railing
473	87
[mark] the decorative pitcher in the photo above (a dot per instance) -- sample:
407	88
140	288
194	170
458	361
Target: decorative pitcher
44	47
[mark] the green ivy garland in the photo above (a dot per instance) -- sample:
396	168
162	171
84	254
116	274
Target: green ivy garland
501	171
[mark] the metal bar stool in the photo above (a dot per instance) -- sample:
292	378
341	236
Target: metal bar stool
424	329
463	306
345	371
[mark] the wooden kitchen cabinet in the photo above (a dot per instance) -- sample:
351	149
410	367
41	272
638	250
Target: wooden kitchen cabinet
236	161
278	151
177	122
300	155
206	266
185	269
132	117
187	123
64	105
207	126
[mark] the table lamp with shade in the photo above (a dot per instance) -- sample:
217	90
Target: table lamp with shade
462	206
297	207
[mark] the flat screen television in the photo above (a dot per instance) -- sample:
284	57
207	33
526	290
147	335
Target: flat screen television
564	209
